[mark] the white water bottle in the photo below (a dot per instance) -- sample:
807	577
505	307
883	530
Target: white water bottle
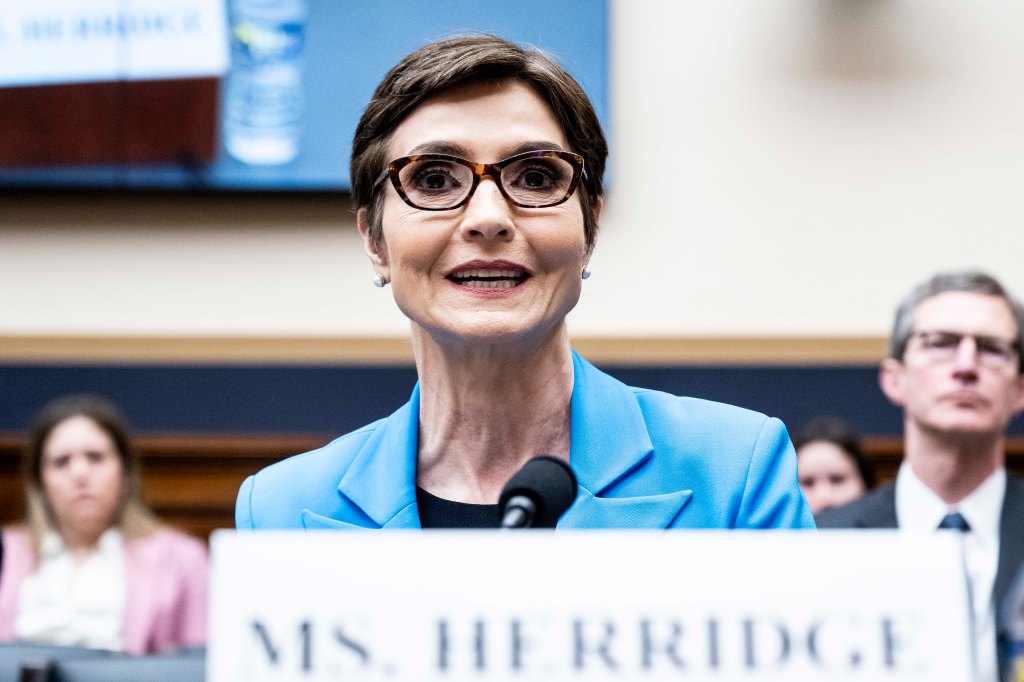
264	106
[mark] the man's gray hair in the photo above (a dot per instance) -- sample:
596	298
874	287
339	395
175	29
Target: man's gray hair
971	281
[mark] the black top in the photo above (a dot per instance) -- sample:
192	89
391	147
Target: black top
437	512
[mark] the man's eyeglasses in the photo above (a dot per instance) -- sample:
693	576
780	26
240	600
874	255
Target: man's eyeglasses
439	182
942	346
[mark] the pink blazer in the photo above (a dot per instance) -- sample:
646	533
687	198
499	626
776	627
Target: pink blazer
165	589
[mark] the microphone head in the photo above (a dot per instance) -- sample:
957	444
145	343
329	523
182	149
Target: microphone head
549	483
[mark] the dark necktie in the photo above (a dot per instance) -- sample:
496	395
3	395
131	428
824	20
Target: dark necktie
955	521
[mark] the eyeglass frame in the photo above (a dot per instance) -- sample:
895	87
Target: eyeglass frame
985	346
481	170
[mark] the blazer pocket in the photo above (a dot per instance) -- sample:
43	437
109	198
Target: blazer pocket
646	511
313	521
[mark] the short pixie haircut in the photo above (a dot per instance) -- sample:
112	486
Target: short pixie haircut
970	281
445	64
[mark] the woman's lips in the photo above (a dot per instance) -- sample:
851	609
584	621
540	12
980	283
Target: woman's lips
489	276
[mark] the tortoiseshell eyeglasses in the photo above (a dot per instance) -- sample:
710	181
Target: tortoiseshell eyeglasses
439	182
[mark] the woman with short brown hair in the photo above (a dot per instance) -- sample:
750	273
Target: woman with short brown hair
477	176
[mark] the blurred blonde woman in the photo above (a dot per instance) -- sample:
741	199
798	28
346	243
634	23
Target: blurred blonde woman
92	566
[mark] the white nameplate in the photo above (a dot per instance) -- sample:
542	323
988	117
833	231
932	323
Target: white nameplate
75	41
600	605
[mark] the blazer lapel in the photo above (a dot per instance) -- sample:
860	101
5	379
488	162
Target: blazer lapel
381	480
407	517
882	514
139	607
646	511
608	443
1011	538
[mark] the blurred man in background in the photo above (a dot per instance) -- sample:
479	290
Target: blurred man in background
955	369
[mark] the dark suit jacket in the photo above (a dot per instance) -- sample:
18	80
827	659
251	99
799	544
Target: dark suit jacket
877	509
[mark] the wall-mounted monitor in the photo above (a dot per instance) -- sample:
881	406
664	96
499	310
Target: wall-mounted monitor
242	95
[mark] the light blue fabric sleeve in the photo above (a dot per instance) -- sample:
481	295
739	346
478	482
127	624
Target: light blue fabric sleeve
243	506
771	493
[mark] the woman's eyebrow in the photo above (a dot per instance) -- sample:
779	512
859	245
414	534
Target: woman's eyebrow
532	146
456	149
439	147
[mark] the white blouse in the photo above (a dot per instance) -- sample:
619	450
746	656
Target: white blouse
75	602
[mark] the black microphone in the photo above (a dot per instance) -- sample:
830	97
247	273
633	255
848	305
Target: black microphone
538	494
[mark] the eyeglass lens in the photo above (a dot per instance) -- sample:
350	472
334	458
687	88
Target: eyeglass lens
439	184
944	345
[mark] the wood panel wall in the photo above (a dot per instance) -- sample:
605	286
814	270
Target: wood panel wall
191	480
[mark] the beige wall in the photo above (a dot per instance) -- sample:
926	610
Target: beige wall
780	167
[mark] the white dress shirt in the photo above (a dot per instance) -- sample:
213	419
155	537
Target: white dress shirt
72	601
918	509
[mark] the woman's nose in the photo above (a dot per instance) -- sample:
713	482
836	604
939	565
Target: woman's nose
827	495
487	214
79	467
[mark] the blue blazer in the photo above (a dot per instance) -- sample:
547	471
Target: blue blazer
643	459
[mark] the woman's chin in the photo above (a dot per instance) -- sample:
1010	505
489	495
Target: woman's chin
489	329
89	512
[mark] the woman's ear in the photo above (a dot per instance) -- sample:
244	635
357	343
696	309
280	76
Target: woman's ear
377	253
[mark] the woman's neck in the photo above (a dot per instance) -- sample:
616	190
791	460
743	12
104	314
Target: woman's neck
80	543
485	411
